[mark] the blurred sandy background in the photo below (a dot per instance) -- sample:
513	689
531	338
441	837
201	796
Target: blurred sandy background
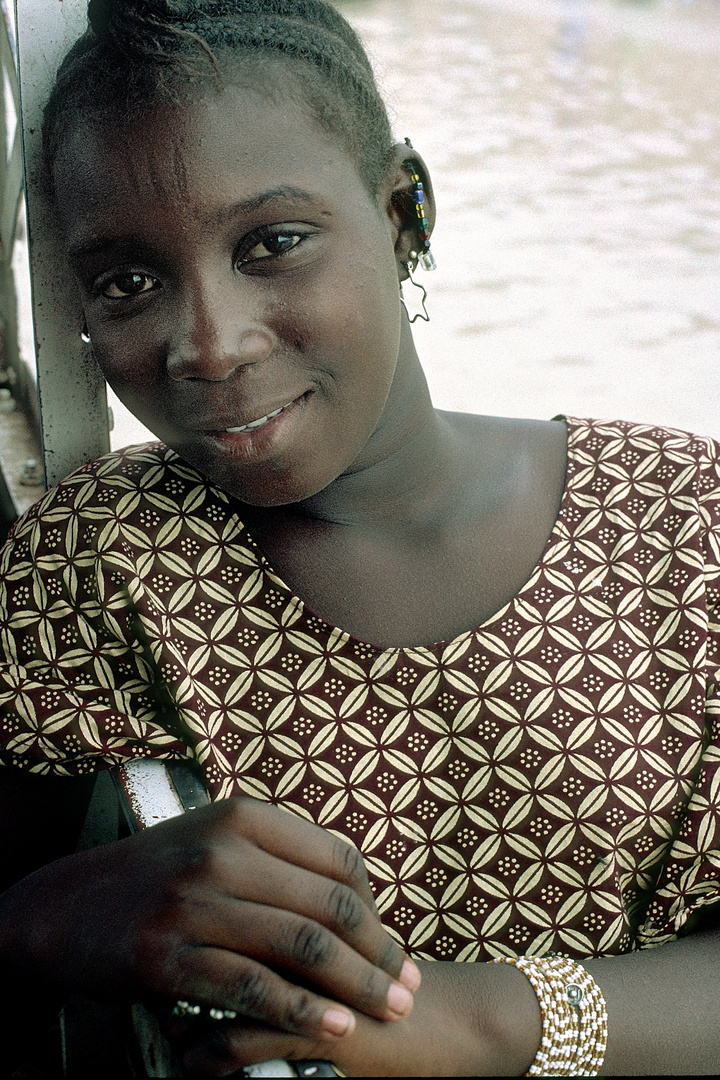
575	146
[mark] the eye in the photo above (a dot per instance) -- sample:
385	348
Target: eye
129	285
270	246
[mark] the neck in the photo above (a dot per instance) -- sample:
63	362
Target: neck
404	469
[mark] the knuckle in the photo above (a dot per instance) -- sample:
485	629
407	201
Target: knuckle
350	863
391	958
162	965
233	813
299	1014
374	989
345	908
208	851
206	862
245	818
311	945
250	993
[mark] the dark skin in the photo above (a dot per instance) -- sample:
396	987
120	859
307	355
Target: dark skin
361	487
257	274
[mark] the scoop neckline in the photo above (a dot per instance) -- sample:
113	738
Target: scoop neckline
572	425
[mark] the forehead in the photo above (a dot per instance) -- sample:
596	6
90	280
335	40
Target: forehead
193	156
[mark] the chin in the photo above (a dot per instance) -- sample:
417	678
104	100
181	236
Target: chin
268	487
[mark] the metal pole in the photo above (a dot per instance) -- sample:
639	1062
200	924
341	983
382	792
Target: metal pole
73	403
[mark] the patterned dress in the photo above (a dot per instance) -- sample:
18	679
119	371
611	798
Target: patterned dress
547	781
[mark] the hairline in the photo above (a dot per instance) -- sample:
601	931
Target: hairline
233	68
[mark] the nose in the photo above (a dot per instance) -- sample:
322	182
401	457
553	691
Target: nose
217	333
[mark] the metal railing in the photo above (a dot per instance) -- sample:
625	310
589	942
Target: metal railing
72	399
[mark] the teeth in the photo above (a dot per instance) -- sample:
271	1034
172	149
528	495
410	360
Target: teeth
258	423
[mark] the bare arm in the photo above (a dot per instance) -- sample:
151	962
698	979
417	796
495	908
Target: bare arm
663	1007
469	1019
483	1019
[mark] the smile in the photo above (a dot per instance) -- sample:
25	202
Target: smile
262	420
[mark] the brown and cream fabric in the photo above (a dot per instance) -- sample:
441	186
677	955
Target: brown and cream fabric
548	781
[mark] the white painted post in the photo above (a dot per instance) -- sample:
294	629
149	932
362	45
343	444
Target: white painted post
73	403
21	380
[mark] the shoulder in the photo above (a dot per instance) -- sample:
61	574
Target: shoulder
605	437
501	447
659	458
656	482
89	484
133	491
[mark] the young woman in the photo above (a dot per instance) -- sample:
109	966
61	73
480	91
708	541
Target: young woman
449	678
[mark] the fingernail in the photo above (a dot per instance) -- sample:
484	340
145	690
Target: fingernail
399	999
410	976
338	1022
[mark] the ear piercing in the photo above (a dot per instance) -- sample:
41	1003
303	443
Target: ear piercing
84	336
424	256
422	313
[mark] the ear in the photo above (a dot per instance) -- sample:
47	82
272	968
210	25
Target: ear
400	206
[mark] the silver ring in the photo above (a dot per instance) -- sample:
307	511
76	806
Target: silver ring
184	1008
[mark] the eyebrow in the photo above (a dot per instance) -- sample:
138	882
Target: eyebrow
98	245
257	202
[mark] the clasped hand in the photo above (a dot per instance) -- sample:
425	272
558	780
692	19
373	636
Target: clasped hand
238	905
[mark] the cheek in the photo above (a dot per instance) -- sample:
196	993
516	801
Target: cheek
349	320
128	379
373	329
137	379
128	353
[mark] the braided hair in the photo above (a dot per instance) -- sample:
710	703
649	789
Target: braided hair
135	52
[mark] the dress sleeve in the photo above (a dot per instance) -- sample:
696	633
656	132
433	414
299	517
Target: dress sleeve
78	686
690	877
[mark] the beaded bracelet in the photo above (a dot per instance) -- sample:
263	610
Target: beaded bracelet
574	1016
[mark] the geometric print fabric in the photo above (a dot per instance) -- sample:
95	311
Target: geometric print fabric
548	781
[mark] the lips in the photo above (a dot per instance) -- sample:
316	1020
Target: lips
219	427
261	420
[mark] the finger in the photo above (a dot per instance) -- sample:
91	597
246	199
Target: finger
224	980
311	952
310	849
331	903
224	1048
301	843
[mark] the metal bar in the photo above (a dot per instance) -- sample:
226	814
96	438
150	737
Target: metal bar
23	386
147	793
5	56
12	193
73	403
152	790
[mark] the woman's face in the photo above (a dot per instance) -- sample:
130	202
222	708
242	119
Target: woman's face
234	268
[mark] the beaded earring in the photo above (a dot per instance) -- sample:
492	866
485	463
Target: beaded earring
424	256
